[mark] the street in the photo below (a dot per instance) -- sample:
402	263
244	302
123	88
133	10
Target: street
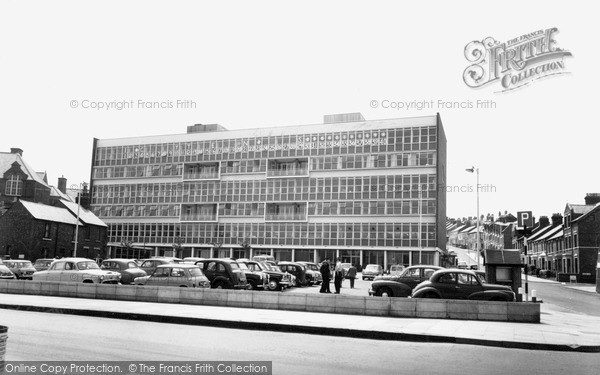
47	336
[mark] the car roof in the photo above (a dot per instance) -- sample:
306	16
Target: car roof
178	265
454	270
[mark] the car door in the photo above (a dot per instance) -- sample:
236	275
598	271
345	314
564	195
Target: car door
53	273
446	285
466	286
160	277
412	277
177	277
149	266
210	270
70	272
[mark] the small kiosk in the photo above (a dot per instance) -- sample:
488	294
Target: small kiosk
503	267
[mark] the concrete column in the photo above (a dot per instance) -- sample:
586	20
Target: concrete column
384	260
315	255
251	253
193	253
361	258
293	255
231	252
337	253
155	251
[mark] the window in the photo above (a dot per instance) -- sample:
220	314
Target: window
47	227
14	185
447	278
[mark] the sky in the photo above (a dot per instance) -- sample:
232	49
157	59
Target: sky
254	64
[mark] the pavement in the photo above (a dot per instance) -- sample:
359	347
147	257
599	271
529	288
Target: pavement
559	330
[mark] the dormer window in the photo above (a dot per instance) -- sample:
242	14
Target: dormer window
14	185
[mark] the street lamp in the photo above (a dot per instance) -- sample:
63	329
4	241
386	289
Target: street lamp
477	247
81	186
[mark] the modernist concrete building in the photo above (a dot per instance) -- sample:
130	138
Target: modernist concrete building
366	191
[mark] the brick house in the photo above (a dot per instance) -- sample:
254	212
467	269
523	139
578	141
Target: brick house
34	230
19	181
582	239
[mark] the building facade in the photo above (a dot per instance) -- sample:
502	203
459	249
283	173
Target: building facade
366	191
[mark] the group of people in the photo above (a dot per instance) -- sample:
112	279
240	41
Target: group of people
338	275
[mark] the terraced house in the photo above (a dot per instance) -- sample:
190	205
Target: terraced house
366	191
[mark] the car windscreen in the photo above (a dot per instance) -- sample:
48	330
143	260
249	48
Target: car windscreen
234	266
243	266
371	268
132	265
312	267
196	272
88	265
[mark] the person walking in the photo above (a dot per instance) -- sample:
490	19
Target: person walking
326	273
339	276
351	275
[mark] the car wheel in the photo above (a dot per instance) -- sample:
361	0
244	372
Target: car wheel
219	285
273	285
384	292
251	285
363	279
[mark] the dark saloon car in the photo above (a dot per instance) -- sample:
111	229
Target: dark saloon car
223	273
401	285
174	274
313	275
257	280
296	269
461	284
277	280
149	265
43	264
23	269
128	269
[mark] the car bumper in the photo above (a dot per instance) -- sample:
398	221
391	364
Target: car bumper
371	292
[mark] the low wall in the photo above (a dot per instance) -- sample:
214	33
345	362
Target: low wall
326	303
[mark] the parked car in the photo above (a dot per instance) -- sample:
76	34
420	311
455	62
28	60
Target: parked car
78	270
462	265
396	269
257	280
371	271
5	272
461	284
175	274
128	269
23	269
223	273
296	269
313	275
149	265
403	284
277	280
191	260
263	258
43	264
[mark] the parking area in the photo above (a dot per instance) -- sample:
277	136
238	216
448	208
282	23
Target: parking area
361	287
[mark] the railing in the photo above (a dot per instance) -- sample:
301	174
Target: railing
287	172
285	217
200	175
198	217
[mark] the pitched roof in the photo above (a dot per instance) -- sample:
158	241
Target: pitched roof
561	233
54	192
86	216
6	161
580	208
591	209
549	233
539	232
512	257
49	213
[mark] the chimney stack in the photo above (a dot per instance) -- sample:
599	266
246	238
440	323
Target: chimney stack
557	219
592	198
62	184
544	222
15	150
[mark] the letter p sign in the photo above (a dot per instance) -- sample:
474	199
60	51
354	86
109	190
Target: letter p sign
525	219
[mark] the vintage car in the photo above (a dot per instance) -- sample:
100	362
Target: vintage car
175	274
403	284
313	275
149	265
257	280
263	258
296	269
43	264
77	270
23	269
128	269
5	272
277	280
461	284
371	271
223	273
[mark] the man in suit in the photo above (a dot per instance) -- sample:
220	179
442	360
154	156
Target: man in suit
326	273
351	275
339	276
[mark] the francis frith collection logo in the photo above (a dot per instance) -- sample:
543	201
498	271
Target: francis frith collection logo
515	63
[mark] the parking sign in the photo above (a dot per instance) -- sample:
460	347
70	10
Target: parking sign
524	219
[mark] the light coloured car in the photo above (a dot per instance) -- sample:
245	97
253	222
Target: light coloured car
77	270
371	271
172	274
5	272
23	269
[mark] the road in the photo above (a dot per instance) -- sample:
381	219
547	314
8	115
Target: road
47	336
569	299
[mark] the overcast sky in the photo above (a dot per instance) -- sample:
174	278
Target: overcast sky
251	64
